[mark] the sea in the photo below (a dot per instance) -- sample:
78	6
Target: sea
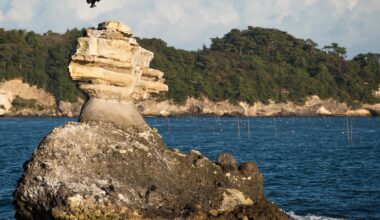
314	168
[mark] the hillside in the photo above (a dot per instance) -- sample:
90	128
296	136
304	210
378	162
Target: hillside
249	65
40	60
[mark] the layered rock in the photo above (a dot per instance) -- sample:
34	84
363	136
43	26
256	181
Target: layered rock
113	71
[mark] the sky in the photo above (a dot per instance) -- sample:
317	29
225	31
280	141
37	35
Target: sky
189	24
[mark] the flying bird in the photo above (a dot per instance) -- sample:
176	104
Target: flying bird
92	2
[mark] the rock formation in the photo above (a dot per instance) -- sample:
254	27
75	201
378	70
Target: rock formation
114	166
113	71
323	111
312	106
69	109
97	170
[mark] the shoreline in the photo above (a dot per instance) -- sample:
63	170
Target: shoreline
207	116
312	107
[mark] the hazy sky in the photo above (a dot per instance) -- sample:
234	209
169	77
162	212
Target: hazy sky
188	24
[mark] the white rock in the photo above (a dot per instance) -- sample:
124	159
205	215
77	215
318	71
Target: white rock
323	111
113	70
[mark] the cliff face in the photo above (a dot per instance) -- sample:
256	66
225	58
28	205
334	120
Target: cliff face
151	107
17	97
18	88
313	106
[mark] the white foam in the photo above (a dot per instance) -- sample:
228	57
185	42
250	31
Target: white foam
310	217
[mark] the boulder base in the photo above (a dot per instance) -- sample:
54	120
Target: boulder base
101	171
122	113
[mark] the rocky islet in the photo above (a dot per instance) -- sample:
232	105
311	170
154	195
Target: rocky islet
112	165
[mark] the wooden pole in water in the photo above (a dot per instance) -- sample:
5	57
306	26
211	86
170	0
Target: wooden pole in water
249	132
351	132
239	127
275	127
167	120
348	136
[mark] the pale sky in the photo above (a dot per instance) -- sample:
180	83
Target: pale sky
188	24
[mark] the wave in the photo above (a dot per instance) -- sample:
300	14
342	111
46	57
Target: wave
310	217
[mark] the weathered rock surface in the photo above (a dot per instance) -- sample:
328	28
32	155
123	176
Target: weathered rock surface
43	102
5	102
112	165
113	71
193	106
323	111
313	106
100	171
17	87
374	109
70	109
359	112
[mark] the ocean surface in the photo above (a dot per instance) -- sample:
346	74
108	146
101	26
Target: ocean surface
314	168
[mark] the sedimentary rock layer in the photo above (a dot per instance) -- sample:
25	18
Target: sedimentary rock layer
113	71
109	57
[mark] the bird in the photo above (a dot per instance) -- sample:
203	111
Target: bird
92	2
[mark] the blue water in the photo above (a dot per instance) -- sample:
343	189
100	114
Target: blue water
309	165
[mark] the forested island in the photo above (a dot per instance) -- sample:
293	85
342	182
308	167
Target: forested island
251	65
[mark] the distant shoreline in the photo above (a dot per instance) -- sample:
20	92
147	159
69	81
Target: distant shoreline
207	116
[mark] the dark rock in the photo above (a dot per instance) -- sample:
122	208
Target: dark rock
248	168
227	162
133	176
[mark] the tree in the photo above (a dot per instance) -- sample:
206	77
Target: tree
335	49
255	64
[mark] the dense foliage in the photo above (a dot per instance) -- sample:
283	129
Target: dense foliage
40	60
251	65
259	64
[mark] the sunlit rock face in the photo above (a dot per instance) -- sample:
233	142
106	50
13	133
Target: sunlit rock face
113	71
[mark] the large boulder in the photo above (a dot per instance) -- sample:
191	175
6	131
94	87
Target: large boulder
101	171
